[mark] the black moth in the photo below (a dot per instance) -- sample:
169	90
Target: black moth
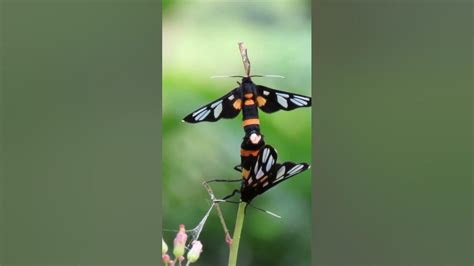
267	99
266	173
260	172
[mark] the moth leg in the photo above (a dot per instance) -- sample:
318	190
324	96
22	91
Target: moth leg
231	195
238	168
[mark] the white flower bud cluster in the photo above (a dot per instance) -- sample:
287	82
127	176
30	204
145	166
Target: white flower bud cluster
179	249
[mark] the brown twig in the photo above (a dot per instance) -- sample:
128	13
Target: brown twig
228	238
245	58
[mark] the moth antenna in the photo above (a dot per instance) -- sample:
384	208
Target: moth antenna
219	77
268	76
222	180
265	211
260	209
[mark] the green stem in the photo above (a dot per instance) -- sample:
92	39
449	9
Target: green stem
239	222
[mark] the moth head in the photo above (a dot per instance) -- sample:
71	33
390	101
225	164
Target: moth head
246	80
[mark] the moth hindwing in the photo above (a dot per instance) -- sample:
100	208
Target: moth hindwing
274	100
267	173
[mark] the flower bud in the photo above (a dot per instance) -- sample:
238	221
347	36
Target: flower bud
166	258
193	254
180	242
164	247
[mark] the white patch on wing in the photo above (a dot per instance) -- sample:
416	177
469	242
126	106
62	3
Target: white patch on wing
270	163
216	103
280	172
265	154
231	97
199	111
298	102
256	168
202	115
282	101
266	93
259	174
295	169
301	97
218	111
283	95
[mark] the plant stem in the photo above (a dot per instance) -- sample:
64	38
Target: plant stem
228	238
245	58
239	222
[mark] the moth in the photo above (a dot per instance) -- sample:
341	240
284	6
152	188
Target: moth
248	97
265	173
258	167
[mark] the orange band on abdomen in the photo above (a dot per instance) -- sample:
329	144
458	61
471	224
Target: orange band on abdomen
249	102
248	152
252	121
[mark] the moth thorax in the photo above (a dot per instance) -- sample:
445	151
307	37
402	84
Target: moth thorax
248	88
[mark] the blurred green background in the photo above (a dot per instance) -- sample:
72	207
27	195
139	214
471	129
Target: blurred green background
393	133
80	133
199	41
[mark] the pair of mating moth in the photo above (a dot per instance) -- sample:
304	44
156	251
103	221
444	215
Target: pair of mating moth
258	166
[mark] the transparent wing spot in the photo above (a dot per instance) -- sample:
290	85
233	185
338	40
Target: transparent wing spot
298	102
216	103
266	152
199	111
218	110
269	163
280	172
283	95
259	174
256	168
296	169
302	98
202	115
282	101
